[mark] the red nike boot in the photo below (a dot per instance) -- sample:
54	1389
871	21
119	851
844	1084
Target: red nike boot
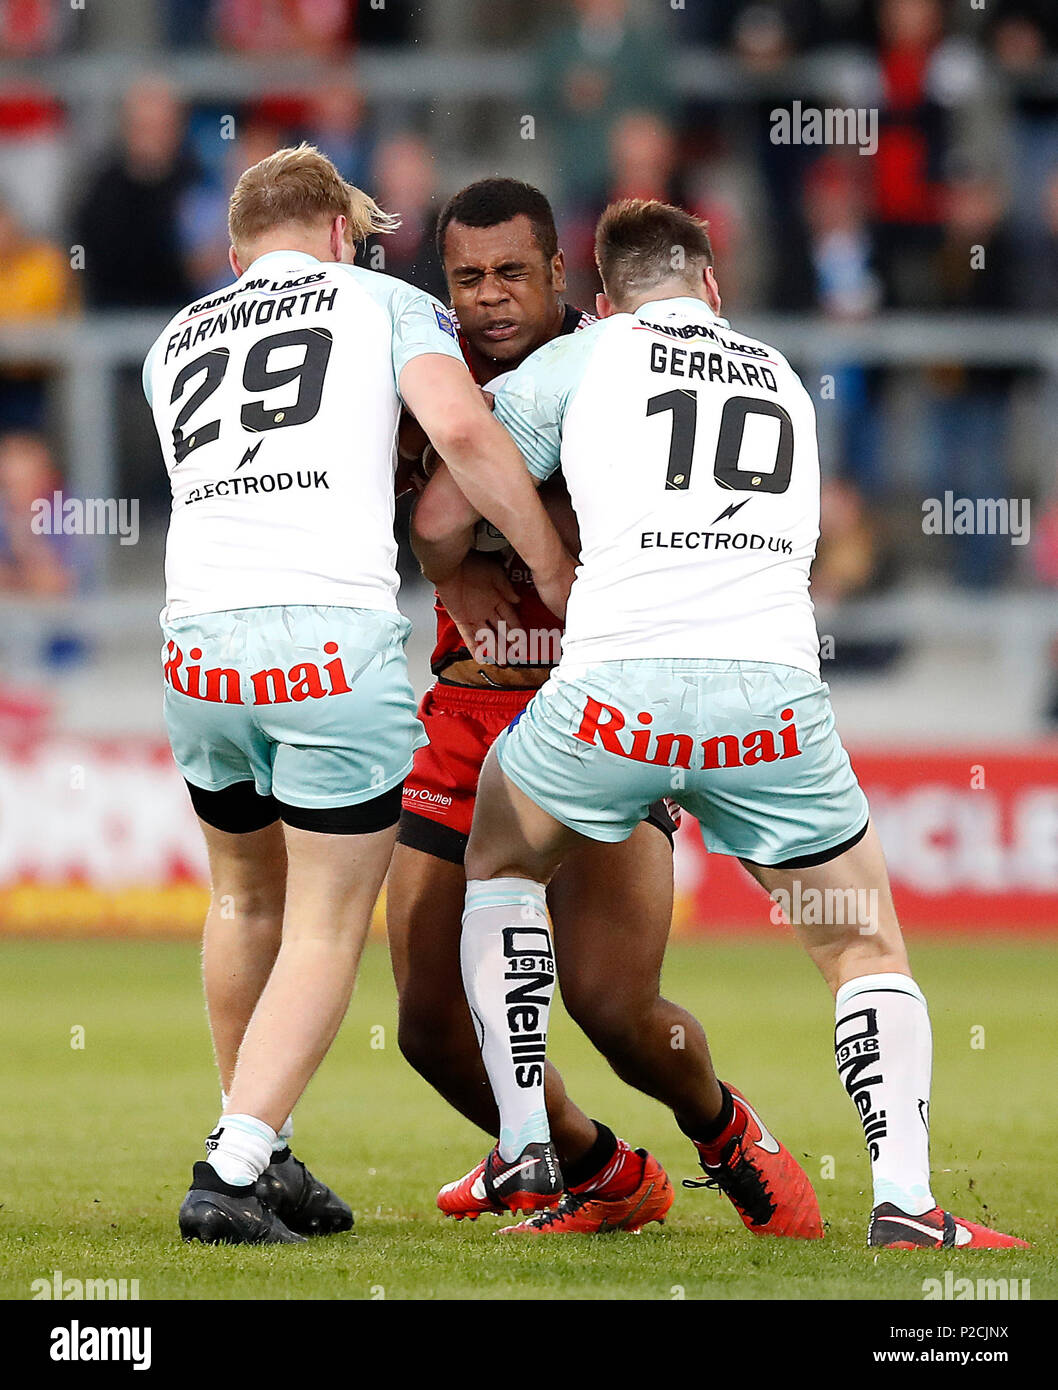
766	1185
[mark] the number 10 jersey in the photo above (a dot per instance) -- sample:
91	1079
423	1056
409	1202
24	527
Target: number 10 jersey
690	455
276	404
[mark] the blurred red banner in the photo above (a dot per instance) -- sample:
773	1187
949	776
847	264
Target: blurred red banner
99	835
971	839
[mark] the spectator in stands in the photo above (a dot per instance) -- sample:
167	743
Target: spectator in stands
35	153
35	276
1045	569
128	220
913	143
336	125
31	562
763	41
848	557
1037	262
643	162
282	26
845	287
32	27
188	23
35	285
404	183
1024	38
852	560
204	208
969	416
591	67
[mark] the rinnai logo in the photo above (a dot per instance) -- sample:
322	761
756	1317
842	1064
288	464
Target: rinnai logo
531	971
77	1343
83	1290
223	685
605	725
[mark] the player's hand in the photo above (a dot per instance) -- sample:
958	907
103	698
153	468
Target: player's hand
554	586
478	597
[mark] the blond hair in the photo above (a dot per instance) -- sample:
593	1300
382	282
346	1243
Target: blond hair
300	185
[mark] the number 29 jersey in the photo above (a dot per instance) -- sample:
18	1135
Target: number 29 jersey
690	455
276	404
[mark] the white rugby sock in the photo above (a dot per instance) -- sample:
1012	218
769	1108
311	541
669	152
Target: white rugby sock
884	1050
240	1148
509	978
283	1135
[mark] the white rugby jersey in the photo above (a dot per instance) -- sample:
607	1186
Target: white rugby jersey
690	455
276	405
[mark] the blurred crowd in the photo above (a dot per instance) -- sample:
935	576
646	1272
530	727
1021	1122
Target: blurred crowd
966	157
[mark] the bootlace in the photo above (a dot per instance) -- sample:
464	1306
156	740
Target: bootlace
739	1178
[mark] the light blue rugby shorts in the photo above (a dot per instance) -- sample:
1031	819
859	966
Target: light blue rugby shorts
748	748
311	704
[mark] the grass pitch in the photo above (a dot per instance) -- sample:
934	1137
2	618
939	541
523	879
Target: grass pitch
101	1137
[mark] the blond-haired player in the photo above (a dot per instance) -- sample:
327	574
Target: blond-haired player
287	701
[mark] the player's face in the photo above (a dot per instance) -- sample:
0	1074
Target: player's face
504	290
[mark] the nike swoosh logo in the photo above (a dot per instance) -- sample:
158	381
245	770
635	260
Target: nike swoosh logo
511	1172
767	1140
915	1226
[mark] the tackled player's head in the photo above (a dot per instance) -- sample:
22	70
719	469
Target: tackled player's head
296	200
498	244
646	250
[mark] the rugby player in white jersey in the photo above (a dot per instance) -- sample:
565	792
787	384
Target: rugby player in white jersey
506	277
287	701
690	668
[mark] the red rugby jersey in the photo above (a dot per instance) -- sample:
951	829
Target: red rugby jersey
533	613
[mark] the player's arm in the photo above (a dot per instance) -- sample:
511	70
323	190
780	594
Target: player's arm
442	525
485	465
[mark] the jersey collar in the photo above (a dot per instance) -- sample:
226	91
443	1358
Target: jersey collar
281	255
683	301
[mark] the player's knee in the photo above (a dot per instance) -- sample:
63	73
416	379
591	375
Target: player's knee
252	907
613	1025
431	1037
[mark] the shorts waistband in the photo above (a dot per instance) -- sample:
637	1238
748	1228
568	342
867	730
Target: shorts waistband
472	697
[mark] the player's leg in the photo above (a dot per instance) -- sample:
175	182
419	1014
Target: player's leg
611	905
424	920
424	905
332	768
882	1041
244	923
508	968
333	881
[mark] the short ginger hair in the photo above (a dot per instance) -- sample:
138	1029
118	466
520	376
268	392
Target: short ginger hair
300	185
